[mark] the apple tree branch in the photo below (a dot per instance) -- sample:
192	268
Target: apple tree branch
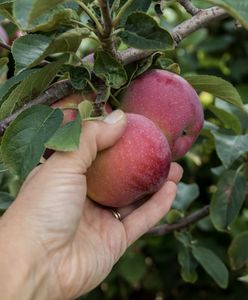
189	7
181	224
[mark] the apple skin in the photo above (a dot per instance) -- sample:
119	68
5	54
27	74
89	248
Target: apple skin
171	103
136	166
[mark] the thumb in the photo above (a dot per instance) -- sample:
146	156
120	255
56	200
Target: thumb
96	136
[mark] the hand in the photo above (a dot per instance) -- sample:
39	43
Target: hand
60	243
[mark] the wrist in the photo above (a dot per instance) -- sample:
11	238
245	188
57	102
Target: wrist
23	273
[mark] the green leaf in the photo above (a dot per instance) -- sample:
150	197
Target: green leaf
243	278
212	265
26	11
54	20
5	201
173	216
11	83
165	63
24	140
238	251
79	77
86	109
4	68
238	9
143	32
3	2
228	199
188	265
137	270
184	237
186	194
217	86
66	138
3	61
228	119
230	147
29	50
109	69
136	5
30	87
41	6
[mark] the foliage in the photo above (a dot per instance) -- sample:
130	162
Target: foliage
56	37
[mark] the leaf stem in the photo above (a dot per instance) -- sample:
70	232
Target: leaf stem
117	19
91	15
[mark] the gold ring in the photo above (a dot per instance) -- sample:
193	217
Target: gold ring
116	214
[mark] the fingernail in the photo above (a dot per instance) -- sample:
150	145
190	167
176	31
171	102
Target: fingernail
114	117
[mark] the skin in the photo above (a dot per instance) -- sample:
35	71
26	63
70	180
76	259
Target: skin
60	243
136	166
171	103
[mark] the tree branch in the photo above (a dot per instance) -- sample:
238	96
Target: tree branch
183	223
189	7
201	19
55	92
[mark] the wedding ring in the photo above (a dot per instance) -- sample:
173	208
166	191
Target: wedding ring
116	214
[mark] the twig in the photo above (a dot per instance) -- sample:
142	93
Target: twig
131	55
202	18
106	38
55	92
189	7
107	21
183	223
4	45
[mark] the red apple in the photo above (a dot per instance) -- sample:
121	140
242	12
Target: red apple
136	166
171	103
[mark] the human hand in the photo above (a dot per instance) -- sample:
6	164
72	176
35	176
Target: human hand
61	243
